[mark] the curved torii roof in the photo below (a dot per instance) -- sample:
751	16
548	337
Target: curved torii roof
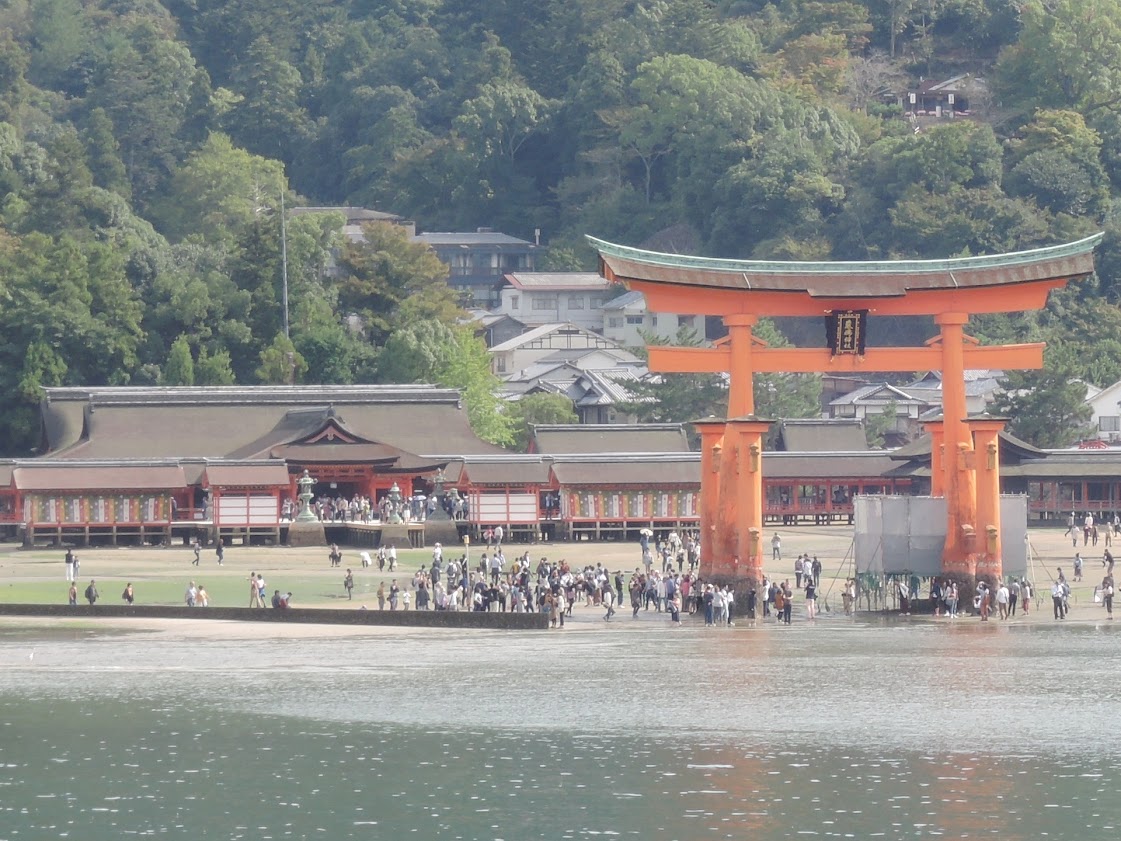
862	279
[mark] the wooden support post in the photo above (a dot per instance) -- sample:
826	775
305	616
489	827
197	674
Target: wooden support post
986	437
740	524
712	442
960	544
937	457
741	384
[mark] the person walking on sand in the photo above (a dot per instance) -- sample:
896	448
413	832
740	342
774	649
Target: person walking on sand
1107	595
72	596
69	564
255	599
128	595
776	547
348	585
91	592
220	550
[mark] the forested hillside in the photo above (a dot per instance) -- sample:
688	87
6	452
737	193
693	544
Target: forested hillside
145	147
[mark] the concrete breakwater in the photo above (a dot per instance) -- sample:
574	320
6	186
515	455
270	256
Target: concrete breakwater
295	615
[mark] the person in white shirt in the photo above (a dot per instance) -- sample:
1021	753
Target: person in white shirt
1002	597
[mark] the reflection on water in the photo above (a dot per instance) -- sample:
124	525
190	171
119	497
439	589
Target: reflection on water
841	731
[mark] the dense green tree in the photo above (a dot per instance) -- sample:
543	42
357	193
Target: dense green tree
334	354
281	363
876	426
219	192
1057	161
214	369
69	316
676	398
58	33
268	118
180	367
1047	408
142	78
416	351
468	368
784	395
534	409
1068	55
381	272
103	153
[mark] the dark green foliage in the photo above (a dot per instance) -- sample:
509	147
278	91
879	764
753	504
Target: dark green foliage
736	129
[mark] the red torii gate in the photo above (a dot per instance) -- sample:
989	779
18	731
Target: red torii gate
742	291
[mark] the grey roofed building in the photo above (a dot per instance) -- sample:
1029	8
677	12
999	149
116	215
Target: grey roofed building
810	435
477	259
552	297
559	343
875	399
245	421
356	217
626	318
566	439
494	327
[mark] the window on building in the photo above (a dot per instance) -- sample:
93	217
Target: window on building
634	319
545	303
685	320
576	302
615	323
1109	423
596	302
513	302
500	364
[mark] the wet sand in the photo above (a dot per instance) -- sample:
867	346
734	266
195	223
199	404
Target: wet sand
1050	550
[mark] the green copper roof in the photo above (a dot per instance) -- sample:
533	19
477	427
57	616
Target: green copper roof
870	267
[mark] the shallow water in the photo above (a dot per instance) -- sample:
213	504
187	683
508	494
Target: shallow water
839	730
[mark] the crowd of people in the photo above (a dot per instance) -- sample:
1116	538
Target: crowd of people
360	508
667	581
1091	529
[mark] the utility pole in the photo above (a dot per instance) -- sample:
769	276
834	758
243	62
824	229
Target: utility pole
284	260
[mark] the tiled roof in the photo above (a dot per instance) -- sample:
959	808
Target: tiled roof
528	470
861	394
625	301
861	279
247	421
819	435
100	477
247	475
557	281
435	238
559	439
644	471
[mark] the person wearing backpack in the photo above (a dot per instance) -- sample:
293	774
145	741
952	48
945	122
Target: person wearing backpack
91	592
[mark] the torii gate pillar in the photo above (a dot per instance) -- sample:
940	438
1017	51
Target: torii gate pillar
986	432
957	463
711	431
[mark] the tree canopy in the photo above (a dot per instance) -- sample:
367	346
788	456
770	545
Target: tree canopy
146	150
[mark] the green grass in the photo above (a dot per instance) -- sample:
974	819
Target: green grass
161	577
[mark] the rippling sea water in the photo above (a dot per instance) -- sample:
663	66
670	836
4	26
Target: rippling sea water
835	731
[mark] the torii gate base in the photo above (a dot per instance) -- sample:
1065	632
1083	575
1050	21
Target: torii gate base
965	461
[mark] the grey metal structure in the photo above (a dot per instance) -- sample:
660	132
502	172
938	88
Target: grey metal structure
905	534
